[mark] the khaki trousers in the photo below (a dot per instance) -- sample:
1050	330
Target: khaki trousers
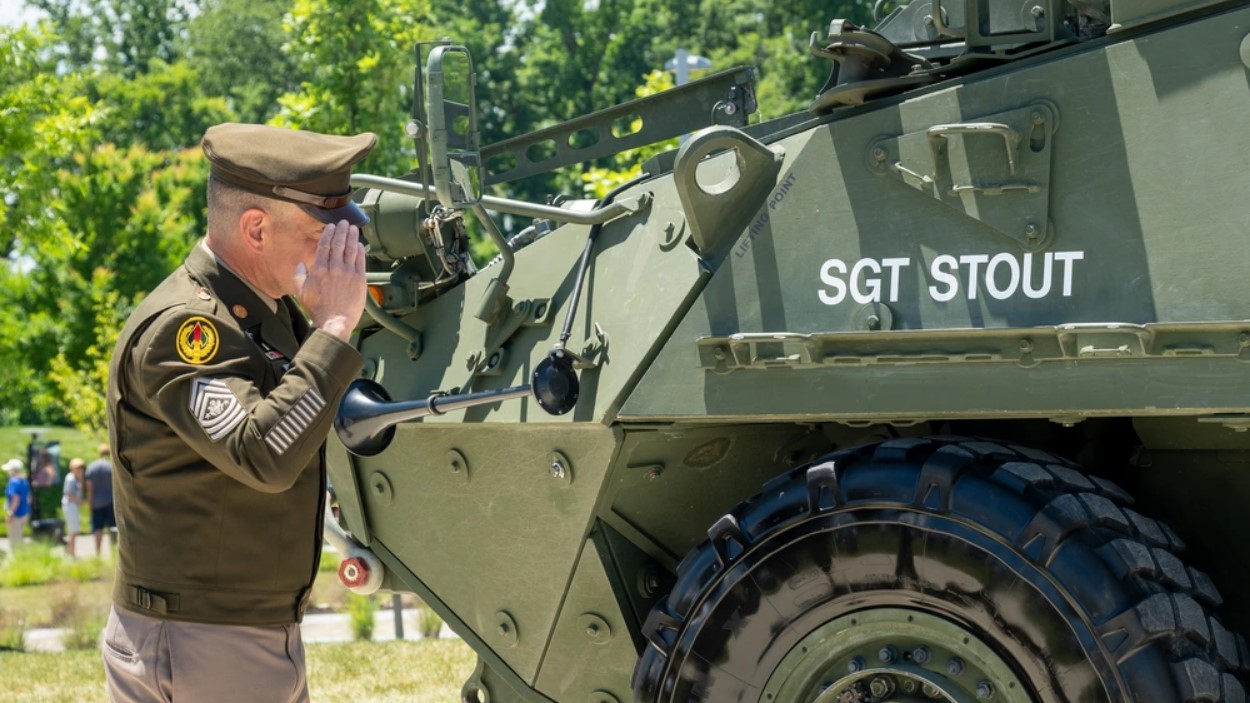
147	660
16	525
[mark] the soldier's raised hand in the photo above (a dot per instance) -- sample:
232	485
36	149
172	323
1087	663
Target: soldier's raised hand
333	291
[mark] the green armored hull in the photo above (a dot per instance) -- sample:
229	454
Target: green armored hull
869	403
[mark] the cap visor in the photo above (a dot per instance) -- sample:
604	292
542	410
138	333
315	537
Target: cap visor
354	215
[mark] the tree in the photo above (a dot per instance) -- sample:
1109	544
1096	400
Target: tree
118	35
43	122
358	59
235	48
163	108
96	223
122	219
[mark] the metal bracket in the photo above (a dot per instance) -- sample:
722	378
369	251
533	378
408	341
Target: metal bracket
1000	26
865	65
1003	183
489	359
593	351
747	170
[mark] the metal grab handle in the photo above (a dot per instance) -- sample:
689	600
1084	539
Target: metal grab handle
1011	138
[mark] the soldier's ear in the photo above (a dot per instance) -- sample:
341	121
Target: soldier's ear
255	224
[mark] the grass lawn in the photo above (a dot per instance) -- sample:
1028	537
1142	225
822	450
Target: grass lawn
73	444
426	671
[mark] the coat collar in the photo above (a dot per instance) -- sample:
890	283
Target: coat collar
249	308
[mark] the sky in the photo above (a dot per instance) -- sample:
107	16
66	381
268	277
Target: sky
14	12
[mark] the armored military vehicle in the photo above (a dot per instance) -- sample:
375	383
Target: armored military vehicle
938	390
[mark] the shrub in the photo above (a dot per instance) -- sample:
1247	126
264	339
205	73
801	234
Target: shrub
360	614
35	564
84	570
82	623
31	565
329	560
12	630
428	622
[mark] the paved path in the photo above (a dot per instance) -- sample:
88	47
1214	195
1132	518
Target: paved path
84	544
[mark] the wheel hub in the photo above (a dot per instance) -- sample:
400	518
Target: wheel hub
893	655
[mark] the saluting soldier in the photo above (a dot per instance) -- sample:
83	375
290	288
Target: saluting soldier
222	389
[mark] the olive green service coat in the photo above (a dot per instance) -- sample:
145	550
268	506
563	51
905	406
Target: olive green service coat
219	409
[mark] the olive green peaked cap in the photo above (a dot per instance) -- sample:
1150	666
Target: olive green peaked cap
310	169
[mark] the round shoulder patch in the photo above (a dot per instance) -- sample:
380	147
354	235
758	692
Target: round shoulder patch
197	340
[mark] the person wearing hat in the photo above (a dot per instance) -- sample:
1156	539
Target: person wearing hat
222	388
16	502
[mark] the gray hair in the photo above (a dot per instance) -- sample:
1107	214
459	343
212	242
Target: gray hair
227	202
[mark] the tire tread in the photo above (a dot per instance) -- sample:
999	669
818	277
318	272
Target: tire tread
1173	609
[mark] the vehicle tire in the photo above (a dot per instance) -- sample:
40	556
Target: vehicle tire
939	568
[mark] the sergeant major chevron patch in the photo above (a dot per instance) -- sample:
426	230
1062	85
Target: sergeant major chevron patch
215	407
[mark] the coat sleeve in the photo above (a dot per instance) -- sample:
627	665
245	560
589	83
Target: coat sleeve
213	401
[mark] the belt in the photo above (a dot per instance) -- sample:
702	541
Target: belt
162	603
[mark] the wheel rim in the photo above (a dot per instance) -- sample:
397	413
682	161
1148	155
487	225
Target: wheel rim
893	654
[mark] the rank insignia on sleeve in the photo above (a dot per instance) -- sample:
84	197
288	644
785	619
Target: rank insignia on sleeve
197	340
215	407
297	419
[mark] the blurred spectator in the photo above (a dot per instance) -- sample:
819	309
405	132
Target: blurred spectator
72	498
99	477
43	471
43	480
16	502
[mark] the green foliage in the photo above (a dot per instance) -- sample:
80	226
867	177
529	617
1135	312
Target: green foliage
357	56
98	223
87	382
124	219
43	122
12	630
329	561
360	614
117	36
36	564
235	48
428	622
30	566
85	570
165	107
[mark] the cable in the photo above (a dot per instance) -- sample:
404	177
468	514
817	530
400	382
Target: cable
585	260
